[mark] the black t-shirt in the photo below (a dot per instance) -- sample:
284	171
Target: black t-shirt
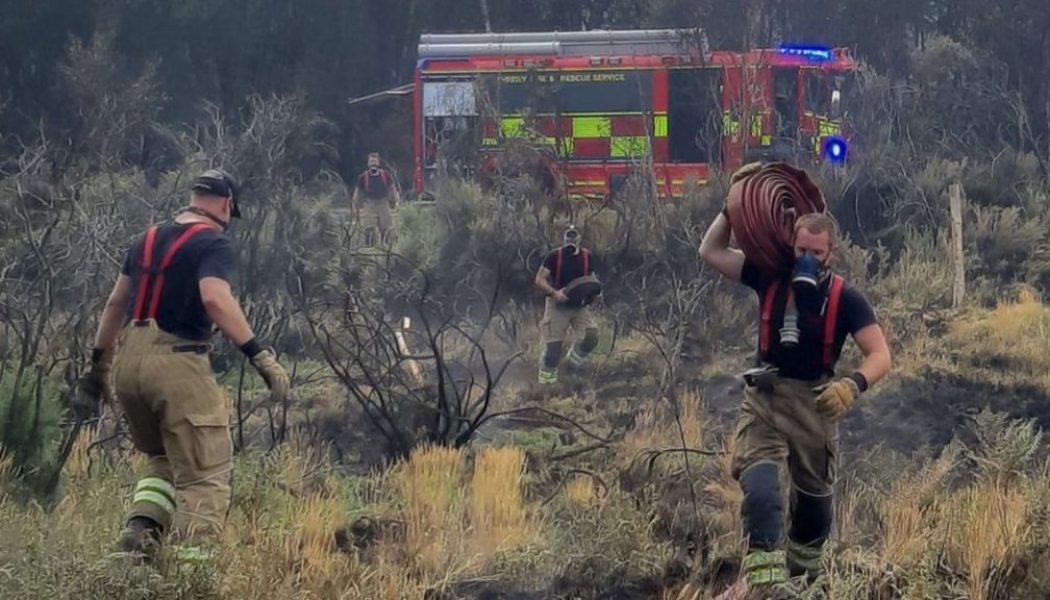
209	253
805	361
572	266
375	187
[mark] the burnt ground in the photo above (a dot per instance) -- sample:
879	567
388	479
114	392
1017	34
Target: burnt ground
908	415
579	587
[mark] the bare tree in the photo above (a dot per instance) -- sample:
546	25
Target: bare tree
363	342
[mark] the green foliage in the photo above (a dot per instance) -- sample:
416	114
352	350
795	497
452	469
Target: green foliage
1004	448
29	420
1003	240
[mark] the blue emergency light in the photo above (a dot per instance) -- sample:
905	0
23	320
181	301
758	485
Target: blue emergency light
816	53
835	150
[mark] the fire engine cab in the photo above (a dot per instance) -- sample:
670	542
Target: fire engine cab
599	106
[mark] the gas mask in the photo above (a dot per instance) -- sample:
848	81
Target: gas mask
571	239
805	281
373	170
806	276
805	294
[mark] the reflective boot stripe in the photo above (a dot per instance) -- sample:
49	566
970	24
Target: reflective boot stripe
766	568
548	376
154	498
156	491
196	555
158	485
807	558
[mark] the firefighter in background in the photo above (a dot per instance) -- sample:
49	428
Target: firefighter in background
375	193
567	279
173	287
792	400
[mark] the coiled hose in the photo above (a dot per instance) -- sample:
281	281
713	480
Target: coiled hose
763	203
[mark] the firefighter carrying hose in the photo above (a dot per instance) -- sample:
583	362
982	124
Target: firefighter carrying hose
173	287
567	279
793	400
375	193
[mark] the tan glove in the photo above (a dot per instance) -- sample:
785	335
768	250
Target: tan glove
836	398
95	384
273	374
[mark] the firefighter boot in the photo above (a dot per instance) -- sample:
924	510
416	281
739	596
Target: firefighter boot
580	350
811	518
765	577
140	538
548	374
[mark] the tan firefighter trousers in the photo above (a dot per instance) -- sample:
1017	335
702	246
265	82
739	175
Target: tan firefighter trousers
555	326
179	417
782	426
375	219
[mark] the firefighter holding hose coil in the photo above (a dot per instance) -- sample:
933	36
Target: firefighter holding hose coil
568	280
793	399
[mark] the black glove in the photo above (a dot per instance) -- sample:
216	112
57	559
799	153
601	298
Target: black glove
95	383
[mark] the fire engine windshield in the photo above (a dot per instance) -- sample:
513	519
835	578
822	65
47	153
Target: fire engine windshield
449	98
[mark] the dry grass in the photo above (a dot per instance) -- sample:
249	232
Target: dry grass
970	523
954	528
497	506
988	527
7	469
1017	332
657	429
725	497
580	491
429	487
948	529
78	466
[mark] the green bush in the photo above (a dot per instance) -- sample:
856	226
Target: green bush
29	420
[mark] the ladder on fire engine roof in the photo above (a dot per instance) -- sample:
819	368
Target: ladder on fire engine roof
598	42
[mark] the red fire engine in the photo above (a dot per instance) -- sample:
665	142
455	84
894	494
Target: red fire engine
600	105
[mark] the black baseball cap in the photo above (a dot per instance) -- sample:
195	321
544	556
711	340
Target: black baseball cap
217	182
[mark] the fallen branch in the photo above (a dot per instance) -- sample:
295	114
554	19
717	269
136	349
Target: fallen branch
561	484
654	455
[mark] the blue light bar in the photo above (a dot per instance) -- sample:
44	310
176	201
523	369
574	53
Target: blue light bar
818	53
835	150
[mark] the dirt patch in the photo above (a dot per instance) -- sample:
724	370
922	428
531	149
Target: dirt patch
920	413
911	415
578	587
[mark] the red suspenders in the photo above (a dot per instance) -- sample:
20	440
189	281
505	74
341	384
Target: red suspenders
831	318
155	274
557	264
765	332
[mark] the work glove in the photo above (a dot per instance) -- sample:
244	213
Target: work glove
95	383
273	374
836	398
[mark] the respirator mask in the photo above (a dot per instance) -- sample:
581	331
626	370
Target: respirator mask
805	293
571	239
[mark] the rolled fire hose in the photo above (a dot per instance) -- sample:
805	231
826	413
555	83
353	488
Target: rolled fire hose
763	203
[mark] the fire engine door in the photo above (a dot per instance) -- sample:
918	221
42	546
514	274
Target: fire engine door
785	104
695	115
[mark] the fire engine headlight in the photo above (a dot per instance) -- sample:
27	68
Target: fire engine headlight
836	149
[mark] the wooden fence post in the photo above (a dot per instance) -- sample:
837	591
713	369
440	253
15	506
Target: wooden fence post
955	198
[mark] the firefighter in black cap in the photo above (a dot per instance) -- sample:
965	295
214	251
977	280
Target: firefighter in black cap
174	286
